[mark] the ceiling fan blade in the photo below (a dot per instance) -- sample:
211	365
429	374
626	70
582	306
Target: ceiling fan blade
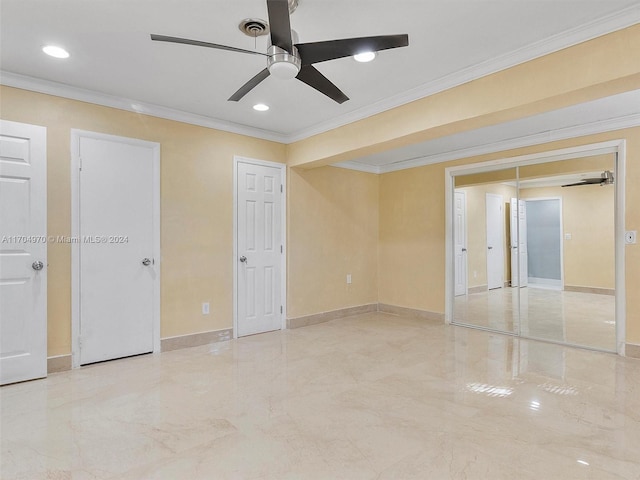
312	77
280	24
316	52
250	85
588	181
198	43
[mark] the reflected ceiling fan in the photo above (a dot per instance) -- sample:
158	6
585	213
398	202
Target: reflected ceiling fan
606	178
286	59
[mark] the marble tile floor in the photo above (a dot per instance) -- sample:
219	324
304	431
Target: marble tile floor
585	319
374	396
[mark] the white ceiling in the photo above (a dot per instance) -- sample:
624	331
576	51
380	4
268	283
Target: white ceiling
114	62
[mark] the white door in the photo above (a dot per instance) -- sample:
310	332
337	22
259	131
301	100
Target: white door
259	248
495	240
117	232
460	240
519	257
23	252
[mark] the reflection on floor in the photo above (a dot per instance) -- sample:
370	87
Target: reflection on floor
577	318
371	396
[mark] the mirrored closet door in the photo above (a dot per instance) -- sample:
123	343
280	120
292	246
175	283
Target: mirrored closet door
534	251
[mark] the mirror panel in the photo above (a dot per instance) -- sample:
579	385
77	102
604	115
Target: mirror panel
482	251
570	251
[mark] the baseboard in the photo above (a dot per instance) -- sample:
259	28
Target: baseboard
316	318
195	339
596	290
545	282
412	312
631	350
478	289
59	363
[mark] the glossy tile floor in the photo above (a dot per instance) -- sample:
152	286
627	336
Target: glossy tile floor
373	396
585	319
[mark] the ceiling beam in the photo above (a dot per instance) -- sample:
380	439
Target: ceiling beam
598	68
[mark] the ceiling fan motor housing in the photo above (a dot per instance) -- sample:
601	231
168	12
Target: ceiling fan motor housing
282	64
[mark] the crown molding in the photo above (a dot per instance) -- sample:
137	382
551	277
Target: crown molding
602	26
24	82
619	123
588	31
360	167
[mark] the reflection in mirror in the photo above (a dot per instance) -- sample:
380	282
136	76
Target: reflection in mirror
568	208
481	235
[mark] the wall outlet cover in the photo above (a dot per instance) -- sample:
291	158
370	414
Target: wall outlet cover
205	308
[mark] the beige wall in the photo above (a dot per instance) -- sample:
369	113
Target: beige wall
196	207
477	230
588	214
333	231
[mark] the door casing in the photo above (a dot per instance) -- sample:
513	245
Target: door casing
76	136
283	226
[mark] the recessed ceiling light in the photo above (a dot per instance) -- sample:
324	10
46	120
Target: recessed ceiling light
364	57
57	52
261	107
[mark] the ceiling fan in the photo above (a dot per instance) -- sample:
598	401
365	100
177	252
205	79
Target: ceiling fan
286	59
606	178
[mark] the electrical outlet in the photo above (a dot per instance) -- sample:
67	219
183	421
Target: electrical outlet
567	236
205	308
348	279
630	237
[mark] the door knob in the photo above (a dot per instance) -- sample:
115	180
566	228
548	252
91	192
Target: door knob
243	259
464	249
37	266
490	248
146	262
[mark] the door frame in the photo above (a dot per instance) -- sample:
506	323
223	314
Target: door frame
559	199
283	232
617	147
76	136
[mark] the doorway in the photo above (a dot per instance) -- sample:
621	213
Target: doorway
259	247
115	247
544	243
460	218
589	311
495	241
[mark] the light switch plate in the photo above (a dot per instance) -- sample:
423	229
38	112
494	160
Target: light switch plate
630	237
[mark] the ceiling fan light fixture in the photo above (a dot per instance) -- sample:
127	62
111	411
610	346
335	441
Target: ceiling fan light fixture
282	64
283	70
261	107
56	52
364	57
